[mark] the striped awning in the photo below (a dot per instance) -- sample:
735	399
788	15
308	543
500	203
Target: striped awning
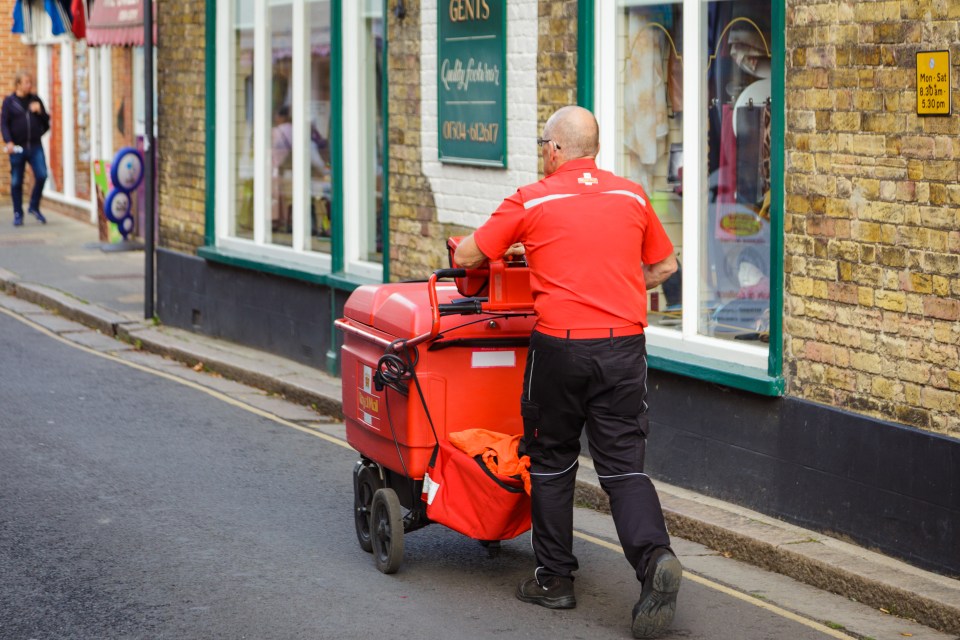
117	23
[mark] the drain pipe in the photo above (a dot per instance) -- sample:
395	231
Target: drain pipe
149	164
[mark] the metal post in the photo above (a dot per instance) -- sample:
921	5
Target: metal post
149	187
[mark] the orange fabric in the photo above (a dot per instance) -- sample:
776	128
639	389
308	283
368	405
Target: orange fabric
497	450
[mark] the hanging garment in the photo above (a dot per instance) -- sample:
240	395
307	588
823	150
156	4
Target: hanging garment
750	161
727	171
644	100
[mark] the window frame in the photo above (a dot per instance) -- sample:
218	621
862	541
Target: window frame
337	269
690	353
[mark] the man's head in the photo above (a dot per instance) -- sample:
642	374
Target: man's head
23	84
570	133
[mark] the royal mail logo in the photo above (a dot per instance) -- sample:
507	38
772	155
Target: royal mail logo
368	403
588	179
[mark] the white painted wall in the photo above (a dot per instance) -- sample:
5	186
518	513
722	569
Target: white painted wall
468	195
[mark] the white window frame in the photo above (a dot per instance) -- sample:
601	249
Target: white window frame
259	249
688	339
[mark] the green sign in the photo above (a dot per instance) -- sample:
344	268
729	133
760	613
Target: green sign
472	82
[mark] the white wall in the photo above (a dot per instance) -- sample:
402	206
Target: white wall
468	195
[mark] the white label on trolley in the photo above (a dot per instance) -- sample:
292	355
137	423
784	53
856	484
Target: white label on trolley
480	359
430	488
368	403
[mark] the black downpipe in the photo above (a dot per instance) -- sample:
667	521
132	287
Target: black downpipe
148	161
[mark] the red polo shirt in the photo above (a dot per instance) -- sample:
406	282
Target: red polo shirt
587	232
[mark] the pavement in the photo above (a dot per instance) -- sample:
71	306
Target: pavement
58	277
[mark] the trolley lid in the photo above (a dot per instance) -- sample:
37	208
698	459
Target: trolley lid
400	309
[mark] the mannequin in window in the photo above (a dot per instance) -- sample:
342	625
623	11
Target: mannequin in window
282	149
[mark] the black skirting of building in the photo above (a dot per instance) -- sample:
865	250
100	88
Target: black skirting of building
884	486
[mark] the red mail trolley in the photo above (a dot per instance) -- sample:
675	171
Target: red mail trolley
421	360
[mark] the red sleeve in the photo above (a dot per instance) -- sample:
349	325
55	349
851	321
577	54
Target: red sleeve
502	229
656	245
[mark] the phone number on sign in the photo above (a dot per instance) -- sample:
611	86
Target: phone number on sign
476	132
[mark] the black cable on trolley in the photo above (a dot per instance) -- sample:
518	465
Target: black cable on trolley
392	369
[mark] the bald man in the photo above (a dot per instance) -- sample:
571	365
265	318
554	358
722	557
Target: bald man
594	245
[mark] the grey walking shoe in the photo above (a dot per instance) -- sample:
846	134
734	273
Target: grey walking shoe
654	612
553	593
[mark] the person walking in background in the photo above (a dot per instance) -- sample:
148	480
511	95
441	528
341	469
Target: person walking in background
23	121
594	246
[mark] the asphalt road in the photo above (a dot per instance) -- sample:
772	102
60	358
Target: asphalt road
133	506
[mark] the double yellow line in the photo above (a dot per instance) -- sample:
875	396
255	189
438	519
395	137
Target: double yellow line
783	613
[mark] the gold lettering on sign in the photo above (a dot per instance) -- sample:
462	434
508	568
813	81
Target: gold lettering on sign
464	10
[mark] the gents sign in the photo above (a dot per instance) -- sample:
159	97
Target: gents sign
933	83
472	81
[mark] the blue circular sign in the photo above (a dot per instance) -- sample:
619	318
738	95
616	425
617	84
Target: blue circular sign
117	206
127	169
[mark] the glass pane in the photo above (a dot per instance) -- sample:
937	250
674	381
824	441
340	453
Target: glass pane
650	122
735	236
321	175
242	118
281	97
372	241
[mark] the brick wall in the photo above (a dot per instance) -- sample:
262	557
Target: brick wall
181	123
872	216
556	58
14	56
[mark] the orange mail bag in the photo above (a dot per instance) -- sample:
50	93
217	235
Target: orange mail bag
463	494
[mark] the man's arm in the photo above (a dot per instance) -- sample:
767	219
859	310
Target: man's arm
468	254
5	126
655	274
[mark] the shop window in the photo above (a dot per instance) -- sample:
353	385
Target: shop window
686	112
282	115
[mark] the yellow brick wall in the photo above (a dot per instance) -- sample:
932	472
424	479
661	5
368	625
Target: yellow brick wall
181	123
872	213
556	58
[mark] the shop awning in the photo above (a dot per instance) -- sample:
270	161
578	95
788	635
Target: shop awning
117	23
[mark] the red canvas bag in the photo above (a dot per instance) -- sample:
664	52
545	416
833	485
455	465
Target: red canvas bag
463	494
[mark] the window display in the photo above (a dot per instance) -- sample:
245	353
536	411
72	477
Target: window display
724	232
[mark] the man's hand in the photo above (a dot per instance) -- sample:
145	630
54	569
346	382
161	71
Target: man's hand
516	249
8	147
35	106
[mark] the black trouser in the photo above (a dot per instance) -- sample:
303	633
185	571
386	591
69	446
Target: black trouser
601	383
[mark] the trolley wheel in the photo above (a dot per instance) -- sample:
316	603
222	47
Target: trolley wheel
365	484
386	530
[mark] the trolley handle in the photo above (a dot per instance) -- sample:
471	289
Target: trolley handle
465	307
450	273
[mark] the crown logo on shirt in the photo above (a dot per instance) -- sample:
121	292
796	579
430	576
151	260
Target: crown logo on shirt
588	179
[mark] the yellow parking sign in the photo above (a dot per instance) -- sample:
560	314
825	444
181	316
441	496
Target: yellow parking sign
933	83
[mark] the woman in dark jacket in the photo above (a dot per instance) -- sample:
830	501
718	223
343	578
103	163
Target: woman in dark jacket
23	121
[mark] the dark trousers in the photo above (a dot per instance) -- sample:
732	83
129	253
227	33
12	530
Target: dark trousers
602	384
18	163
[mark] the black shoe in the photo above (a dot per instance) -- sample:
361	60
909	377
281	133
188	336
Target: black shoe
553	593
653	613
17	218
39	216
